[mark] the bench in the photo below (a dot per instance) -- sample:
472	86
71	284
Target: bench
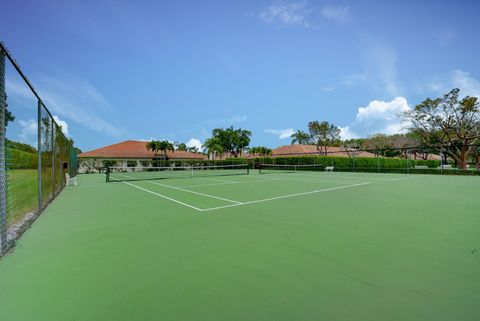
421	167
446	166
70	180
329	169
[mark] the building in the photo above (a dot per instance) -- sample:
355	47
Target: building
311	150
130	153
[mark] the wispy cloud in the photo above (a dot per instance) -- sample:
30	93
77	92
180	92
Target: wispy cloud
339	14
353	79
468	85
28	131
235	119
445	37
286	13
380	64
72	99
281	133
327	88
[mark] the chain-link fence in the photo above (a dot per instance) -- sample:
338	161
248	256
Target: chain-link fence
406	160
35	154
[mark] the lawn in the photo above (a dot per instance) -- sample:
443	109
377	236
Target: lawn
22	193
300	246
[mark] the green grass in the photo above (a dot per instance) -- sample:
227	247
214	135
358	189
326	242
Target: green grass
397	247
22	193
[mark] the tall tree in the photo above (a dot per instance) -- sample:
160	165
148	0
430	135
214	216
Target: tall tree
323	134
213	147
300	137
451	121
260	151
233	141
165	146
153	146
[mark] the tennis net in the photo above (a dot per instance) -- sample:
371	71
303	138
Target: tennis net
279	168
119	174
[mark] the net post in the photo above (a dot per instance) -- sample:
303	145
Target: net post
3	181
39	155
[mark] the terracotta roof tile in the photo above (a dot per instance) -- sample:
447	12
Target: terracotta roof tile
134	149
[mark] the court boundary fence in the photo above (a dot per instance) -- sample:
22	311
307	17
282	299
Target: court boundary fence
56	156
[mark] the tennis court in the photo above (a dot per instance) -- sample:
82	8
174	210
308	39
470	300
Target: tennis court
277	245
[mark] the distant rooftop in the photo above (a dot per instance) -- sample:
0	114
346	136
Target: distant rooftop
137	150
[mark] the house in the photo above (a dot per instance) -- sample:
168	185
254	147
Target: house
130	153
311	150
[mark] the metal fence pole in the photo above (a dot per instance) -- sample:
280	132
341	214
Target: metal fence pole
39	155
53	155
3	180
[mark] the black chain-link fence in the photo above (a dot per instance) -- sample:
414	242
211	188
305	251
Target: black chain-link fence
35	155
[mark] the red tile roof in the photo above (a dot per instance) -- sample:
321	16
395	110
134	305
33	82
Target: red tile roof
135	149
305	150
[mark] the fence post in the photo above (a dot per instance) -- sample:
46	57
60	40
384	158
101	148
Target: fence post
53	155
39	155
3	180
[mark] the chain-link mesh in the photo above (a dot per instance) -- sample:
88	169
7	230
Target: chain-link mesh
35	155
3	207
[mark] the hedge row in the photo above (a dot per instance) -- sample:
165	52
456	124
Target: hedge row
18	159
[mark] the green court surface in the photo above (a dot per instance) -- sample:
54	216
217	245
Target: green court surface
298	246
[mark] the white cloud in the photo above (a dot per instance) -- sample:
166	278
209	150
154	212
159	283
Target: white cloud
73	99
286	13
29	131
468	85
63	124
377	117
338	14
346	133
193	142
281	133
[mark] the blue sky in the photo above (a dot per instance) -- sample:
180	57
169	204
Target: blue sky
117	70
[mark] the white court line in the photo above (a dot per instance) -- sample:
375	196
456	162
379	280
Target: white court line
186	190
310	179
163	196
244	182
285	196
215	180
193	192
401	179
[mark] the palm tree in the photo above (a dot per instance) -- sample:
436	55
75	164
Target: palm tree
193	149
213	146
165	146
300	137
153	146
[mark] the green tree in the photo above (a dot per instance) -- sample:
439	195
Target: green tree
260	151
323	134
193	149
451	122
165	146
233	141
213	147
182	147
300	137
153	146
